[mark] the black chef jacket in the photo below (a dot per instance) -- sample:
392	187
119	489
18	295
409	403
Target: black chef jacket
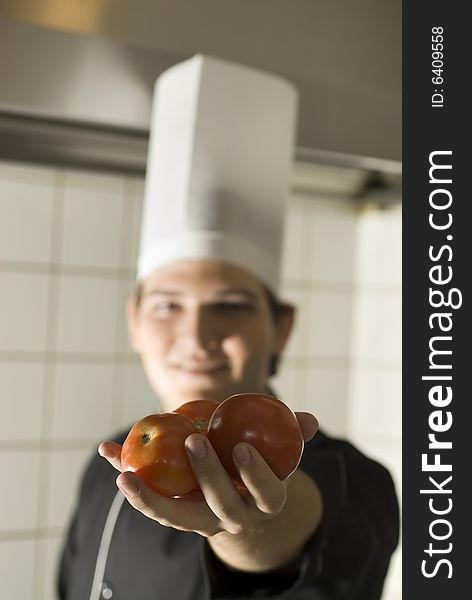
346	558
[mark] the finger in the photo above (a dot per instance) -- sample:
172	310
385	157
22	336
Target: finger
215	483
266	489
179	514
112	452
142	498
308	424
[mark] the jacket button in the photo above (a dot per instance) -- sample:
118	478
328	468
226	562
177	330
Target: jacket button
106	592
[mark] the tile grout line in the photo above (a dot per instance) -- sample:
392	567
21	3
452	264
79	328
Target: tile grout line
26	535
62	444
49	381
288	361
58	267
66	357
117	406
128	274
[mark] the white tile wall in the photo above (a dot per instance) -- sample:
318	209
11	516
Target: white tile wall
23	318
329	324
294	245
20	489
375	407
297	344
375	403
285	384
377	333
82	397
17	569
88	311
46	567
127	287
22	390
324	392
138	397
65	465
331	238
26	206
66	353
380	229
23	173
133	208
92	220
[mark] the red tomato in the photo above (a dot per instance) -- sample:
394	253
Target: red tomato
154	450
199	412
263	421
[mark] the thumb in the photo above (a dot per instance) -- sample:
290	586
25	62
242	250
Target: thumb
308	424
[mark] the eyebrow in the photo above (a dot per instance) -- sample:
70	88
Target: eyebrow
249	294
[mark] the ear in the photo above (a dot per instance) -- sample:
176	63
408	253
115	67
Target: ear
283	326
132	320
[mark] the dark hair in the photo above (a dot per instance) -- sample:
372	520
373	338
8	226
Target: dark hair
276	309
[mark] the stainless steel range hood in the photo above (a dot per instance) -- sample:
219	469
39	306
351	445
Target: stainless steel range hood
74	98
84	99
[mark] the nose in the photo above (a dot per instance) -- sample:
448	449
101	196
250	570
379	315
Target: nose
199	332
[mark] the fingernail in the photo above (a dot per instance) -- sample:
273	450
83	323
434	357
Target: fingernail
127	488
197	448
243	455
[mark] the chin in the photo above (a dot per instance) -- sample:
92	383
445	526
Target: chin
187	388
186	393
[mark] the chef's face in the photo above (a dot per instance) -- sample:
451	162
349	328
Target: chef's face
204	329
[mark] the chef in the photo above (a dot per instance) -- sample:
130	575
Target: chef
207	321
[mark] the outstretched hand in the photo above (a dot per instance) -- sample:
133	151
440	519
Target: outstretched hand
223	508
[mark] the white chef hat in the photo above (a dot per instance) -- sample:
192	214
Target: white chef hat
219	157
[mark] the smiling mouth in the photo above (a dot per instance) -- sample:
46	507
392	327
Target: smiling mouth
202	369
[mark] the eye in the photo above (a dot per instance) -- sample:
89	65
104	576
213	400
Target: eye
164	308
233	307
